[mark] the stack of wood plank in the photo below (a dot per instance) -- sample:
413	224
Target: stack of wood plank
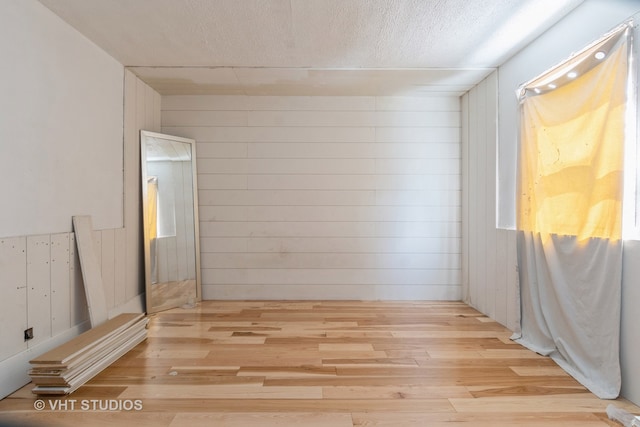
65	368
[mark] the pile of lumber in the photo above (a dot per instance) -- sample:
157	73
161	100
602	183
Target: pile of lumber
65	368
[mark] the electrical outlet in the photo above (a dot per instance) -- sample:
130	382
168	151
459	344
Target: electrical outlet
28	334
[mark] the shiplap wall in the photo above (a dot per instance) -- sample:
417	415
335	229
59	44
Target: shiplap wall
489	254
40	274
325	197
141	112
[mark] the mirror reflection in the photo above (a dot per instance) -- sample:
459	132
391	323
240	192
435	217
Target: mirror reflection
169	195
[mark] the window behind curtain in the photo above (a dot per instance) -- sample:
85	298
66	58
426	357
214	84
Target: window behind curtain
572	143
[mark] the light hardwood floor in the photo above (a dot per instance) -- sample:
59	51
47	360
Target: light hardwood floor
328	363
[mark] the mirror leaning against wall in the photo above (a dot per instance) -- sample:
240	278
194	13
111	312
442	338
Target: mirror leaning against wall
170	218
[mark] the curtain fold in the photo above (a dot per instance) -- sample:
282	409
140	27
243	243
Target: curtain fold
569	213
570	306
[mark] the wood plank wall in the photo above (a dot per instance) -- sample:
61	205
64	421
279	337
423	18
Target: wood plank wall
489	254
141	112
40	274
325	197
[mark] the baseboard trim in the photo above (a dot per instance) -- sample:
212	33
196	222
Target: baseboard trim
332	292
14	370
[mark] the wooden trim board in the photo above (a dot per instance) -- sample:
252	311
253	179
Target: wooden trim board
67	367
91	274
77	366
67	351
87	361
95	369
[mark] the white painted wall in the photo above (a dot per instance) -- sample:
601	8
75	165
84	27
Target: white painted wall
41	276
325	197
491	290
69	111
61	133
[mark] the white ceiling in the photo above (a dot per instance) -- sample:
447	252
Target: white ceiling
311	47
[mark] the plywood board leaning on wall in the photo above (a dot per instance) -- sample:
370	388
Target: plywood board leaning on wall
64	369
91	274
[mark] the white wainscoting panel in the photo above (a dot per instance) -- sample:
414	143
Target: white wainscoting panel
43	289
108	265
60	283
39	287
13	304
120	266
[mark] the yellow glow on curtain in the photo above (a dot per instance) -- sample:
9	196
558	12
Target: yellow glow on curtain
152	205
571	151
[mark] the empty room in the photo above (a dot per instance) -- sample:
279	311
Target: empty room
319	212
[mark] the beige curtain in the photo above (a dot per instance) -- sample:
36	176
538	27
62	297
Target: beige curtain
571	149
569	213
151	222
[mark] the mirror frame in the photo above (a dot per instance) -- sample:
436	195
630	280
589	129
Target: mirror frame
144	137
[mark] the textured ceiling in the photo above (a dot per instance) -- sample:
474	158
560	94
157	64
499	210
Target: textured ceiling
311	46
